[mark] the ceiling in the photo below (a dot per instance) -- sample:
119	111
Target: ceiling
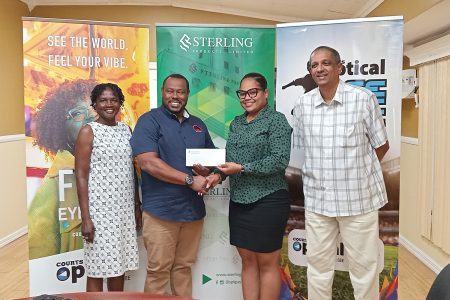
433	22
276	10
429	25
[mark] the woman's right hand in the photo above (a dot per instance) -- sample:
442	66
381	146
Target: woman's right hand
229	168
88	230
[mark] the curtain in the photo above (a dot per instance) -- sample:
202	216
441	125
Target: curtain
434	152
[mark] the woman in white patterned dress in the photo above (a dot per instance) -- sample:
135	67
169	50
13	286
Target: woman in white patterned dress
107	192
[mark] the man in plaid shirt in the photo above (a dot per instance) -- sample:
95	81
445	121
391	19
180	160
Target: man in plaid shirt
341	130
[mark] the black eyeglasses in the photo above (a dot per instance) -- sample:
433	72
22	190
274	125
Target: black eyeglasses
251	92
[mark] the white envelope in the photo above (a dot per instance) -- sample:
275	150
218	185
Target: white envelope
205	157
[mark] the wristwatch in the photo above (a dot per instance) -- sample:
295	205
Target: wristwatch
242	169
189	180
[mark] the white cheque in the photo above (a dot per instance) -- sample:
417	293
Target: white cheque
205	157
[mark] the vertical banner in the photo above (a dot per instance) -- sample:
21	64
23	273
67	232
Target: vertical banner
214	59
372	49
63	61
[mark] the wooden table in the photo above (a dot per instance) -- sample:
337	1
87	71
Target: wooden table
115	296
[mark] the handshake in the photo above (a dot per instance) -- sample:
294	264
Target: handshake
204	180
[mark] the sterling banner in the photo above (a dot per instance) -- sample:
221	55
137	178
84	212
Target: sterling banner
63	61
214	58
372	50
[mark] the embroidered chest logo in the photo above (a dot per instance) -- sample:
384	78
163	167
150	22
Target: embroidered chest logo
197	128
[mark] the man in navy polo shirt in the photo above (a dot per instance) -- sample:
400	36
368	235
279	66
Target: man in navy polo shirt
171	194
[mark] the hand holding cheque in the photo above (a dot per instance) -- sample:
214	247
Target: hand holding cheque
203	162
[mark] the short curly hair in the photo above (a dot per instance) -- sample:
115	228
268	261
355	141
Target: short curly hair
50	118
98	90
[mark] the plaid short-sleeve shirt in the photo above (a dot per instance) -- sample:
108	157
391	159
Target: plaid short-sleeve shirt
341	172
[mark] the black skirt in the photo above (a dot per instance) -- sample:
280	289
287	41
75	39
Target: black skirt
259	226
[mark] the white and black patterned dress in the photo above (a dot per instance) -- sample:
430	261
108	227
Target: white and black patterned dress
111	203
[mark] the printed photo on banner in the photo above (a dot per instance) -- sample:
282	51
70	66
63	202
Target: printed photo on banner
63	61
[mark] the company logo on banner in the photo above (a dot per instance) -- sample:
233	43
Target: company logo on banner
298	247
185	42
216	44
376	86
214	60
70	269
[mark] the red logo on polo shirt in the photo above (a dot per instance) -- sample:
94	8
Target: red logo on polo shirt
197	128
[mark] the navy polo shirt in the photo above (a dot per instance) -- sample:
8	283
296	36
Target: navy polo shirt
160	131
